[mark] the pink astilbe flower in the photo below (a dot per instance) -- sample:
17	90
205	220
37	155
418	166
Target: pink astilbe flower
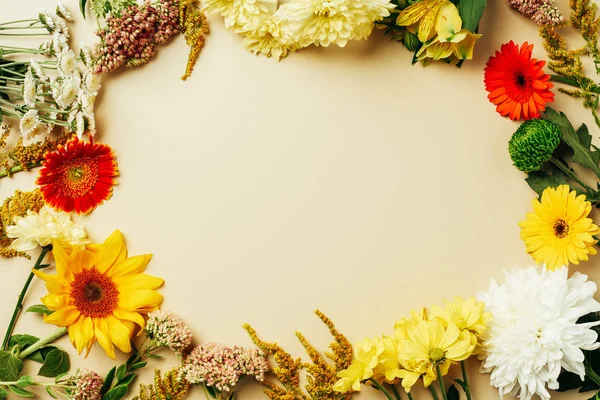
87	385
168	330
542	12
221	367
131	38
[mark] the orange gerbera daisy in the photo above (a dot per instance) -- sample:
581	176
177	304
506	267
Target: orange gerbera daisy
78	176
517	83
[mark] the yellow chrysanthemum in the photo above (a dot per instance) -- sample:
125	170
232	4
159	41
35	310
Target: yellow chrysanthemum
270	37
99	294
388	367
558	231
430	344
467	315
366	358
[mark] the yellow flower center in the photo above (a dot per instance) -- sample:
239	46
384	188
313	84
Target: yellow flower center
436	355
94	293
561	228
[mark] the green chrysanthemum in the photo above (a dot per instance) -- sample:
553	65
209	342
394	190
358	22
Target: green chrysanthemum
533	144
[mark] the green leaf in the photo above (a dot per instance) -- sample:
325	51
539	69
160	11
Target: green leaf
461	383
50	392
108	381
154	356
127	380
116	393
3	394
138	365
56	363
471	12
25	381
41	354
452	393
23	341
39	309
579	141
540	180
212	391
10	367
121	371
82	4
20	392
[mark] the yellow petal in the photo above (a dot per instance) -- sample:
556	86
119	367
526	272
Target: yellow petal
60	258
132	265
111	251
63	317
56	302
447	22
464	49
103	336
138	299
137	282
130	316
119	334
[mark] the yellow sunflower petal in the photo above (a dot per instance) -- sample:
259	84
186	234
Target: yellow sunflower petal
138	282
119	334
63	317
136	299
60	259
111	251
56	302
103	336
132	265
130	316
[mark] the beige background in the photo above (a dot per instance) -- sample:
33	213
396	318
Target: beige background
339	179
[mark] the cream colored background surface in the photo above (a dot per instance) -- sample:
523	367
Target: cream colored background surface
339	179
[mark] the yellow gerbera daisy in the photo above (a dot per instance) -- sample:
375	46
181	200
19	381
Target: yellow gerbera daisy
558	231
99	294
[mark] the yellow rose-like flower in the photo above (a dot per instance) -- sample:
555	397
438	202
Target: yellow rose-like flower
99	294
366	358
405	324
270	37
430	344
421	16
558	231
447	21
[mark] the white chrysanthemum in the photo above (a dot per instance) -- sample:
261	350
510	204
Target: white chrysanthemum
29	90
29	122
86	100
37	69
80	125
39	131
85	53
237	13
533	332
374	11
59	42
270	37
90	123
92	83
67	62
46	20
62	12
69	91
44	227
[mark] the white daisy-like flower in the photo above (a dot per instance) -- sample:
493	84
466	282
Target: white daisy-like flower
46	19
59	42
62	12
29	90
39	131
29	122
373	11
42	228
322	22
85	53
237	13
79	125
90	123
67	62
270	37
534	332
92	82
86	100
37	69
69	90
46	46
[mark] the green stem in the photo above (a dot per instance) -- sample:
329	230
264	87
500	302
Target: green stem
567	171
19	21
466	388
433	392
441	381
564	80
592	374
11	326
409	396
24	34
396	393
380	387
18	168
60	332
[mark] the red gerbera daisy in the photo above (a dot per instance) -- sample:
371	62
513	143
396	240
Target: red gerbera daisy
517	83
78	176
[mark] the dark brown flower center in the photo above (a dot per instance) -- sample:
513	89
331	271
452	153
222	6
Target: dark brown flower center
561	228
94	293
521	80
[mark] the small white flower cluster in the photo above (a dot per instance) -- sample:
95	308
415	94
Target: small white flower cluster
534	331
66	97
168	330
274	31
44	227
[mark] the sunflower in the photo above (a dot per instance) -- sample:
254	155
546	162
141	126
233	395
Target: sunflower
100	295
78	176
516	83
558	231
